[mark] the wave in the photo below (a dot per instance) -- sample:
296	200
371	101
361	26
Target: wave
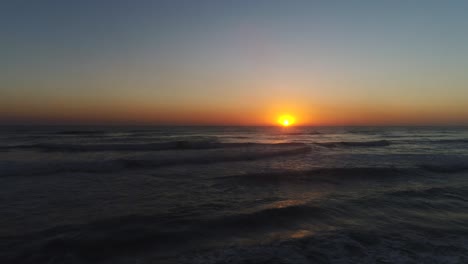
445	168
448	141
181	144
267	217
342	246
327	175
87	243
242	152
303	133
376	143
119	146
221	157
365	131
115	237
138	237
433	193
80	132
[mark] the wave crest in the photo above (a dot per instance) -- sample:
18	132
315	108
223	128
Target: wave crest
237	152
129	234
170	145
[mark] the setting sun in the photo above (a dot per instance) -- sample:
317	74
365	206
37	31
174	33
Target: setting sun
286	120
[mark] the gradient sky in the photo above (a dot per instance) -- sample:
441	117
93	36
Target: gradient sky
242	62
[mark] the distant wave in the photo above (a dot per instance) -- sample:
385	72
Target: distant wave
303	133
80	132
181	144
222	157
429	141
448	141
377	143
365	131
445	168
243	152
119	146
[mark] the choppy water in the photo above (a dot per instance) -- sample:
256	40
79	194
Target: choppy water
234	195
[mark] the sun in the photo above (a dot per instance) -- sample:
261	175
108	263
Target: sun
286	120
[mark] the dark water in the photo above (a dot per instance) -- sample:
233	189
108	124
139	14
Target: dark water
234	195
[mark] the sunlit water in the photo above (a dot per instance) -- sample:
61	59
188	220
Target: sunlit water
234	195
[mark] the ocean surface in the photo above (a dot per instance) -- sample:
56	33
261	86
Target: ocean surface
233	195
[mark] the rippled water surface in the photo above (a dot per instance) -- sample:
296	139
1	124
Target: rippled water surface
234	195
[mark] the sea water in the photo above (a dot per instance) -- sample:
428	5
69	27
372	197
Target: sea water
233	194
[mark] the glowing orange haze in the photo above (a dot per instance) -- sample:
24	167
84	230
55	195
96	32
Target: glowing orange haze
228	115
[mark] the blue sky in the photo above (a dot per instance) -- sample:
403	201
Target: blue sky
244	61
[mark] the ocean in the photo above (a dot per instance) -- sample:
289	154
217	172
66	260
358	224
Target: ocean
233	194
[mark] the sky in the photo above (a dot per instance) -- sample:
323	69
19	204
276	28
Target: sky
244	62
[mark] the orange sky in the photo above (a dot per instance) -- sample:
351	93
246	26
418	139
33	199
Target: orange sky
263	114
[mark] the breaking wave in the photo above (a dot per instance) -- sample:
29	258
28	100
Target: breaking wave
129	234
238	152
181	144
138	234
